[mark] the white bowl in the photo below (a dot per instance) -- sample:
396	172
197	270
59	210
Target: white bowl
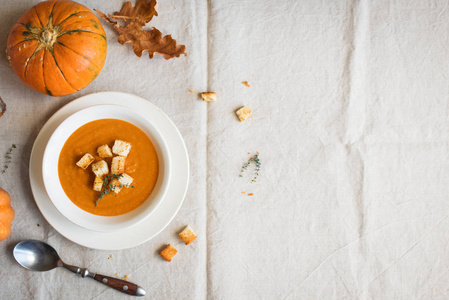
51	177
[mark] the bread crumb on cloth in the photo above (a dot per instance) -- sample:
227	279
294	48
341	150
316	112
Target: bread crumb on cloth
187	235
209	96
168	253
243	113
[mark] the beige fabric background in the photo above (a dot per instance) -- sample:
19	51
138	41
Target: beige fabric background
350	115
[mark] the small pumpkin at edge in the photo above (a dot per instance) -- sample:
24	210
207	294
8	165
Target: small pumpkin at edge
6	214
57	47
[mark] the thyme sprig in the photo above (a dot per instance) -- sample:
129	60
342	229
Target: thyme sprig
245	167
8	158
107	187
258	164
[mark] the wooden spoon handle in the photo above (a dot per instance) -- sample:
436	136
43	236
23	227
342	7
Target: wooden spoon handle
120	285
115	283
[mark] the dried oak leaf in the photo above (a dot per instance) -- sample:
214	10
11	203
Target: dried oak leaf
142	10
142	40
2	107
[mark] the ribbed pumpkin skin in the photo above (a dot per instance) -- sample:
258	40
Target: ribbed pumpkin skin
57	47
6	214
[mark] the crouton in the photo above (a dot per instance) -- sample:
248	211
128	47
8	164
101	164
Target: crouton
121	148
168	252
115	185
104	151
187	235
243	113
85	161
209	96
118	165
98	184
100	168
125	180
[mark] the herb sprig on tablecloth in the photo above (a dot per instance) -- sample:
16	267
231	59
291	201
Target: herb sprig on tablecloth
2	107
255	159
8	158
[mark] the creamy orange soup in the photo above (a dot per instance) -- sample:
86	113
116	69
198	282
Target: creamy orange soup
141	164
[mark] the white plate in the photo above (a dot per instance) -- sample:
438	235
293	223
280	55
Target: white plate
51	176
149	227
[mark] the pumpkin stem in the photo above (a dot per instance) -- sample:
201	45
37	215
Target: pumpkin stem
48	37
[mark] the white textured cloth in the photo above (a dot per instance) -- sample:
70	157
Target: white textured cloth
350	116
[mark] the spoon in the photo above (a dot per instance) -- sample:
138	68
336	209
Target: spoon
39	256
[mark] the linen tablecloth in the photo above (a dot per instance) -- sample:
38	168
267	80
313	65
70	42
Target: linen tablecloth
349	105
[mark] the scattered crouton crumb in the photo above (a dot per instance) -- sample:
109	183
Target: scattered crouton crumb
250	194
126	277
187	235
168	252
245	83
191	91
209	96
243	113
243	192
110	256
115	274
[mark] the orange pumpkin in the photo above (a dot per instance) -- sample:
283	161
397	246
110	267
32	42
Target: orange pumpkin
6	214
57	47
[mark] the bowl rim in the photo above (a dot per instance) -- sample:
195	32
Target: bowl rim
83	218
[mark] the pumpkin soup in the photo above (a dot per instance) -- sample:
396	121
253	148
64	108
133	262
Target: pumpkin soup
141	165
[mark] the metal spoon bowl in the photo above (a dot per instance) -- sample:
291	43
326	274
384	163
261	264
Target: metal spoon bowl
39	256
